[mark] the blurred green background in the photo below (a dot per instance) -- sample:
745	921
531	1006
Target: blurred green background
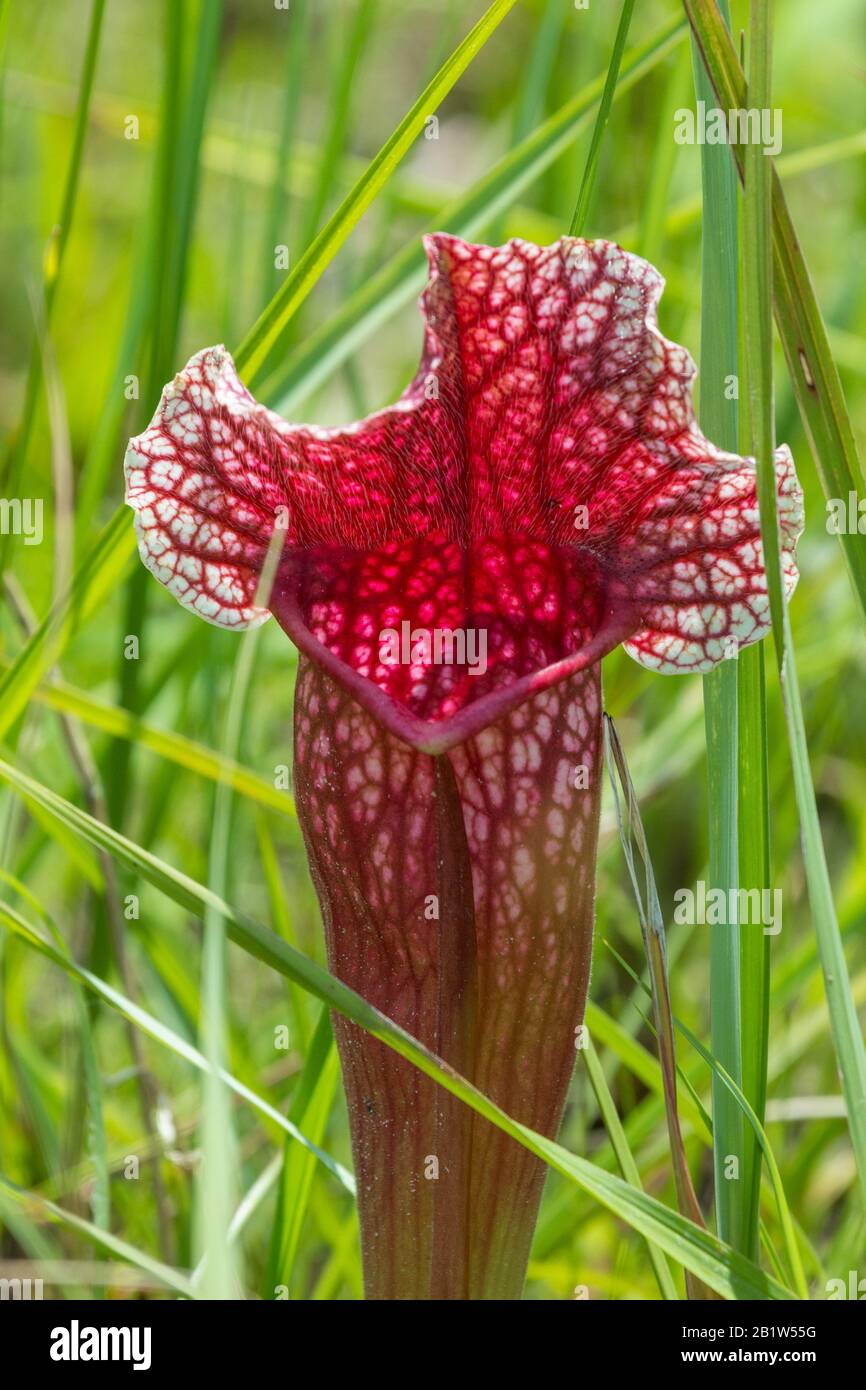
297	104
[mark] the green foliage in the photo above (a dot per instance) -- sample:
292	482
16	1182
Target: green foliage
153	159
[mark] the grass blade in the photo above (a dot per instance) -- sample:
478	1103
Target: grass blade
276	235
266	335
624	1156
97	577
754	873
310	1108
217	1186
5	9
313	361
760	1136
186	172
653	934
578	221
338	105
56	247
719	363
713	1262
759	269
530	104
282	922
40	1207
96	1145
246	1208
657	202
161	1033
643	1065
811	366
175	748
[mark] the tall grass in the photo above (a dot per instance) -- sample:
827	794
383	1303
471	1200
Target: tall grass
198	850
719	362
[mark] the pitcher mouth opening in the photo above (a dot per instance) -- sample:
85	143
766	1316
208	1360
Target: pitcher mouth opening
437	641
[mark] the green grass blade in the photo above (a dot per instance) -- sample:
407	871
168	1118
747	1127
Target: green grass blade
657	208
36	1206
98	576
296	53
313	361
757	1129
25	931
310	1108
754	873
811	366
205	44
339	105
758	278
531	99
624	1156
96	1145
713	1262
578	221
246	1208
175	748
5	9
282	922
719	363
56	247
217	1187
95	1139
266	335
643	1065
630	828
759	1134
218	1174
104	444
252	1199
60	234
